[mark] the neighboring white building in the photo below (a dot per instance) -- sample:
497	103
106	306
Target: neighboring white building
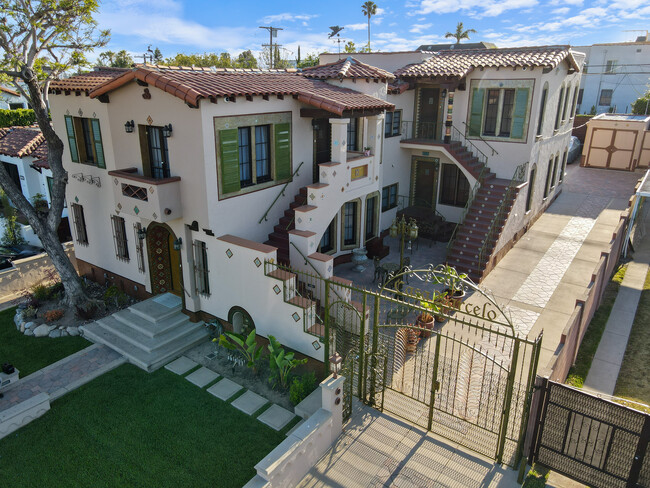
10	99
615	75
199	176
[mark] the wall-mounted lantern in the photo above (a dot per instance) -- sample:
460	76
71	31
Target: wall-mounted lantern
167	130
129	126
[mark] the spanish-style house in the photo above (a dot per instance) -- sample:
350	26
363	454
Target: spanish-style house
190	180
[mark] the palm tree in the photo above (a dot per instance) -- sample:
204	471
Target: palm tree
460	33
369	9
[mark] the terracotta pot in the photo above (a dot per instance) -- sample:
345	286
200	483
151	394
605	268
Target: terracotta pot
412	339
456	298
425	325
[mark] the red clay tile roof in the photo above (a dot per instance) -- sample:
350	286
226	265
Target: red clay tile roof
398	87
86	82
459	63
9	91
348	68
20	141
40	156
192	85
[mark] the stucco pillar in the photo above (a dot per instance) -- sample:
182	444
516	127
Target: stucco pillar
332	401
374	135
339	140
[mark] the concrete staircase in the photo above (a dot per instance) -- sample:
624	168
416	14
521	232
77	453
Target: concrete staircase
150	333
464	254
469	161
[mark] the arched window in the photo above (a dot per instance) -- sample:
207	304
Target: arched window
542	109
531	186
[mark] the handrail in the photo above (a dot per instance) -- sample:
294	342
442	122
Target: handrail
307	261
460	137
494	151
281	194
518	177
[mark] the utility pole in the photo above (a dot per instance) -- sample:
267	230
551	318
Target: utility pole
273	32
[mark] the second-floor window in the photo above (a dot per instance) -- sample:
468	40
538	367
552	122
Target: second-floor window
389	197
605	99
251	154
500	112
610	68
155	155
392	123
85	141
353	134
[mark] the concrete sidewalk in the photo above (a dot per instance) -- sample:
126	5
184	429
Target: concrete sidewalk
611	349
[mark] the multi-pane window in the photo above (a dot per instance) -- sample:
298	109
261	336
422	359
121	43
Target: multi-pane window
499	112
328	240
566	103
581	93
491	112
454	189
158	153
353	133
564	160
262	153
79	224
605	99
139	246
119	238
575	101
371	210
549	178
555	170
251	155
610	67
542	110
350	223
558	114
531	187
392	123
389	197
201	270
85	141
244	141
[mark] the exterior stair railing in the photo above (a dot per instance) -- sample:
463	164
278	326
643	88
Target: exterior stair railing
458	136
307	261
518	178
281	194
494	151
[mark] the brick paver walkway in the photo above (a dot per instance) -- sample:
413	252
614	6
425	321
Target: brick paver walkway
64	375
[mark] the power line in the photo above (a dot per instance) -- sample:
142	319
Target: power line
273	32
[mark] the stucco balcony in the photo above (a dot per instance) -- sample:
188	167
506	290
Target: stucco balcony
148	198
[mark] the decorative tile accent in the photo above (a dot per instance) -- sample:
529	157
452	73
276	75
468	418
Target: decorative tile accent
334	173
329	268
149	120
299	220
277	289
312	196
81	112
119	205
323	174
136	210
257	262
76	199
316	345
151	190
229	253
296	316
155	216
115	181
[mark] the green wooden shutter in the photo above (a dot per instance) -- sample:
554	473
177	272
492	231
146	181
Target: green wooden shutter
519	114
229	149
282	151
476	112
72	140
97	142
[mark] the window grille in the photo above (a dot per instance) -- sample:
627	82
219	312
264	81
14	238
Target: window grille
139	246
79	224
119	238
201	268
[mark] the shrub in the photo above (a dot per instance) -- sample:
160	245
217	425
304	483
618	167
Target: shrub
29	312
21	116
281	363
54	315
247	346
118	297
301	387
86	312
40	292
39	202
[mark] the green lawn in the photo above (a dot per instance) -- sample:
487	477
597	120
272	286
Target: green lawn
131	428
578	372
634	378
29	354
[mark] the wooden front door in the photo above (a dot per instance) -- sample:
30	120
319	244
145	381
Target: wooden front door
164	261
424	186
322	144
428	114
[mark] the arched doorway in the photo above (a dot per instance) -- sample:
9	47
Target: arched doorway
164	260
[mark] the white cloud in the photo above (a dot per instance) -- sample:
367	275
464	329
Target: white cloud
561	10
286	17
356	27
576	3
418	28
473	8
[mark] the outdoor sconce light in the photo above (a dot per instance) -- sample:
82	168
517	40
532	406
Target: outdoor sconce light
335	361
129	126
142	233
167	130
444	92
177	244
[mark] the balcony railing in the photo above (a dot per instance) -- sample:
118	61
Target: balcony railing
150	198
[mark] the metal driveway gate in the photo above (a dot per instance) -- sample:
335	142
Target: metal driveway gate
592	440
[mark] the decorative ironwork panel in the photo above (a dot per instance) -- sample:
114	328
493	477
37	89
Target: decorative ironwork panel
136	192
592	440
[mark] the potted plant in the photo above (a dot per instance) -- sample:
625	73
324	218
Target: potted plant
443	303
366	151
425	319
455	291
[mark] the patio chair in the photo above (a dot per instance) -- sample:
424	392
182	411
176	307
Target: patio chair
380	272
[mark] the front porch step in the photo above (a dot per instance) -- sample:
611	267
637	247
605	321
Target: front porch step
148	334
301	302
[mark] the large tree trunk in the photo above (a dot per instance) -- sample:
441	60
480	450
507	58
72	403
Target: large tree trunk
46	226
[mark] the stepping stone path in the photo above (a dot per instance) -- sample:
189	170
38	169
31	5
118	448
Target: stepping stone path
224	389
249	402
275	416
181	366
202	377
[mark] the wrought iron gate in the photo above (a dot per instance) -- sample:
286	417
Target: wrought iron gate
590	439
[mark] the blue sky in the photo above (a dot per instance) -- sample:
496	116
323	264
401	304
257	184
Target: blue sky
216	26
